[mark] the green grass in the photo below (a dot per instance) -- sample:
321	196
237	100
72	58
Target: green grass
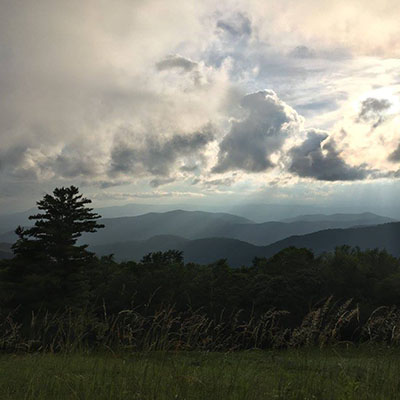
333	373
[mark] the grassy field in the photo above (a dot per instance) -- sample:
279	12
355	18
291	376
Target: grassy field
334	373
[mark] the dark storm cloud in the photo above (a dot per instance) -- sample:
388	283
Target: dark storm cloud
372	111
322	161
157	156
250	142
176	61
395	156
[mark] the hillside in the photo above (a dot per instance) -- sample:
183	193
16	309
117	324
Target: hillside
239	252
199	225
188	224
9	222
5	255
354	219
202	251
386	236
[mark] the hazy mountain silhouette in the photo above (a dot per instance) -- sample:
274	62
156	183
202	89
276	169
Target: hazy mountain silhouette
5	250
188	224
386	236
199	225
257	212
202	251
238	252
9	222
366	218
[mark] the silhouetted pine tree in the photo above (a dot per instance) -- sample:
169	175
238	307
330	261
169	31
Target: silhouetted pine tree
48	268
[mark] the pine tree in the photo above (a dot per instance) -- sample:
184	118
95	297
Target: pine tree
49	268
56	231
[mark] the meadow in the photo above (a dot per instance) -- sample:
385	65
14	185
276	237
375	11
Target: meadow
337	372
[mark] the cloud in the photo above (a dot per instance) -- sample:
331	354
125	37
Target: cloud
211	183
156	182
155	194
249	144
155	155
12	157
395	155
373	111
72	163
366	27
319	159
302	52
176	61
237	25
164	69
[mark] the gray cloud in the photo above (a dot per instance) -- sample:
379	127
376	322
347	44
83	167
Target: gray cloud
156	156
302	52
250	142
372	111
12	157
156	182
238	25
320	160
395	156
219	182
72	163
176	61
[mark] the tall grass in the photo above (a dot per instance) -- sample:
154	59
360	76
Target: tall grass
167	329
295	374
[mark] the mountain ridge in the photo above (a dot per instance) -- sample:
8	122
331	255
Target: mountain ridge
238	252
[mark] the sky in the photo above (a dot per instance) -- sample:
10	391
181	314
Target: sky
272	101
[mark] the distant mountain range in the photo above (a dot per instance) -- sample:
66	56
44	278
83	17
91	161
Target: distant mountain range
366	218
208	250
5	250
255	212
202	251
200	225
386	236
205	237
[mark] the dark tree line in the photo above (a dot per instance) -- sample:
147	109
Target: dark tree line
50	272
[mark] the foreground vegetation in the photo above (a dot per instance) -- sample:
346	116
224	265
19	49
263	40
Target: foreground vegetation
329	374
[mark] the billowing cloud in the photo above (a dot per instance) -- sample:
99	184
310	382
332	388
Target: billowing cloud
319	159
249	144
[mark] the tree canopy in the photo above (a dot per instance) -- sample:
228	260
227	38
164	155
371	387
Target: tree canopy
48	267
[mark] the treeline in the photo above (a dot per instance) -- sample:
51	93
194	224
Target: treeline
51	279
290	299
292	280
